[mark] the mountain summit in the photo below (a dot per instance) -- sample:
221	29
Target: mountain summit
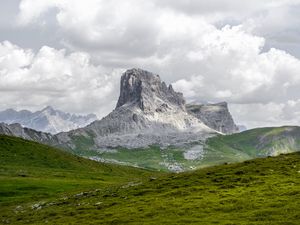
148	112
147	91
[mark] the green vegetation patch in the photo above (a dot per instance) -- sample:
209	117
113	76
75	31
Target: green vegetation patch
43	185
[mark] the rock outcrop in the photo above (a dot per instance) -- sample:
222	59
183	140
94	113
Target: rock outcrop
215	116
145	90
17	130
148	112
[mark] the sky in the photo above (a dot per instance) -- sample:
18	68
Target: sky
70	54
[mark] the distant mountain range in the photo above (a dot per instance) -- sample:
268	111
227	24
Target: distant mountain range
47	120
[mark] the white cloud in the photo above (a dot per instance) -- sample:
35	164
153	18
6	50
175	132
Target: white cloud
274	114
252	116
30	11
12	57
188	42
259	85
52	77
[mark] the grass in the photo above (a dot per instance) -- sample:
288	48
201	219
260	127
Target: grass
32	171
259	142
260	191
43	185
155	158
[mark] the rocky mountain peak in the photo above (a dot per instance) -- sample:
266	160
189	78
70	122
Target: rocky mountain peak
147	91
148	113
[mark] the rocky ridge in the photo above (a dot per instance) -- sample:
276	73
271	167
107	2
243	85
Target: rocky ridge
26	133
47	120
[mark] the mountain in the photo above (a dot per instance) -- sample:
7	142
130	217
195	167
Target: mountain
166	134
148	112
47	120
215	116
17	130
259	142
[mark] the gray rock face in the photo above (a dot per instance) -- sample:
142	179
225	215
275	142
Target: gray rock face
145	90
148	112
215	116
46	120
29	134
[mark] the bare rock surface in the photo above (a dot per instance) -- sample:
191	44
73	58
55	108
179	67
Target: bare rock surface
26	133
148	112
215	116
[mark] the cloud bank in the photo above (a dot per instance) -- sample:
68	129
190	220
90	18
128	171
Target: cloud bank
227	50
53	77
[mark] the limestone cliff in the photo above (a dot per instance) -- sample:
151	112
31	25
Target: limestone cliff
148	112
215	116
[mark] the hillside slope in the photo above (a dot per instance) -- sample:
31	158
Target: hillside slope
260	142
31	171
260	191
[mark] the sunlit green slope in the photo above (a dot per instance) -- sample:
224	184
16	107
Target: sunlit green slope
221	149
32	171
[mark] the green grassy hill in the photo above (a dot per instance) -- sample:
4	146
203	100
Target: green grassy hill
31	171
260	142
221	149
260	191
43	185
